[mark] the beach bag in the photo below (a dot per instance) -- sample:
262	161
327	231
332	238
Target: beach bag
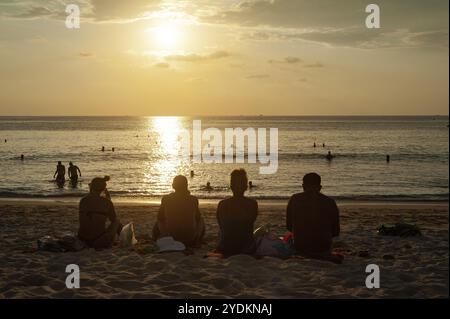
50	243
71	242
127	238
399	229
272	246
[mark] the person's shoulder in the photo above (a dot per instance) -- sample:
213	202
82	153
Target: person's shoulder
167	196
251	201
297	196
327	199
225	201
85	198
193	198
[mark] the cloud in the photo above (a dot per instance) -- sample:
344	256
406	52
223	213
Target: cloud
162	65
286	60
86	55
91	10
109	10
198	57
404	23
258	76
314	65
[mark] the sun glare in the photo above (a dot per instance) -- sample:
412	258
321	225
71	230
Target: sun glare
166	35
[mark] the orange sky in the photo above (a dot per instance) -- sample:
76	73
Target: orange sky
217	57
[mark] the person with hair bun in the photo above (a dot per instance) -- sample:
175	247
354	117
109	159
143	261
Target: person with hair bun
95	210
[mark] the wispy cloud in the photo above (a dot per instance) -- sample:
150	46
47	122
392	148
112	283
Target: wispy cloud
193	57
257	76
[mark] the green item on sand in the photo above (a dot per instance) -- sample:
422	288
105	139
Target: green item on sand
399	229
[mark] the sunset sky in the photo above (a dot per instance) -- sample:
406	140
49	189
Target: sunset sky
223	57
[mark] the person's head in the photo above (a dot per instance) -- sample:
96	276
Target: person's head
208	184
98	185
239	181
312	183
70	164
180	183
329	152
250	183
59	163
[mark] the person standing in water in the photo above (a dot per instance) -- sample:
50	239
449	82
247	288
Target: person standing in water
208	187
388	158
73	173
329	157
60	174
22	157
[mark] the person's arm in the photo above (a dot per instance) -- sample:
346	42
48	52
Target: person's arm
79	170
56	172
255	212
198	215
70	173
161	218
112	213
290	214
335	219
219	215
107	195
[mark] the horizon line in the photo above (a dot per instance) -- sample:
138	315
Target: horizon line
244	115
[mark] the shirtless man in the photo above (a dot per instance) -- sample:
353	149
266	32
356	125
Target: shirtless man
73	173
60	173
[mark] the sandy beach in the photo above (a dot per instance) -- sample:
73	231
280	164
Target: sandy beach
410	267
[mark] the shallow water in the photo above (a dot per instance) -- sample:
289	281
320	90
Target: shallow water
146	156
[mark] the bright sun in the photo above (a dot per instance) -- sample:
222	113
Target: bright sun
166	35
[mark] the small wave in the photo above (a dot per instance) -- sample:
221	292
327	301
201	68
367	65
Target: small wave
356	198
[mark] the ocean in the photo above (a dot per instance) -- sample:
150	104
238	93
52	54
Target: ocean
146	157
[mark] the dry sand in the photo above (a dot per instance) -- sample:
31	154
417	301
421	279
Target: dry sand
419	268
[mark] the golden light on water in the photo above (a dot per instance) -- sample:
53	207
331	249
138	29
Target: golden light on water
166	130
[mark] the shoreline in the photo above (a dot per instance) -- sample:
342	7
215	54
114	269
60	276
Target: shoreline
121	201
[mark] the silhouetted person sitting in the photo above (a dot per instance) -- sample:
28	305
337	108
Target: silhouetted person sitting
179	216
73	173
236	217
313	218
96	209
60	173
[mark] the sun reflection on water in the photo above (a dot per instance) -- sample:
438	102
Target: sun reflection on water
166	148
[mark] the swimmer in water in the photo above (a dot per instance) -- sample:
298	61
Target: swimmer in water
250	185
103	148
323	144
388	158
73	173
113	149
208	187
329	157
192	173
60	174
22	157
315	144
